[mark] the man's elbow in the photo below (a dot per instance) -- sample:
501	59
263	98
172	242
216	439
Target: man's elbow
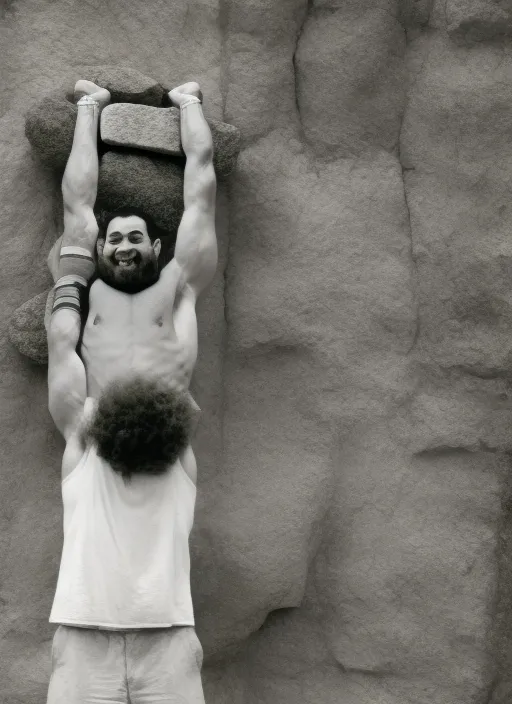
64	330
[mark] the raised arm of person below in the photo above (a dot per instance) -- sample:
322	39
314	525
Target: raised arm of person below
67	387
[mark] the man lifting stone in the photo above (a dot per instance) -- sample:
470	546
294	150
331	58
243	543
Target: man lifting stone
123	603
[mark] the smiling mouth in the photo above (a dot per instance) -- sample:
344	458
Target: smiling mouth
130	263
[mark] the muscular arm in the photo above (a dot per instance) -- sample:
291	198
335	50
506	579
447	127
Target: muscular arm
67	386
196	244
80	181
73	253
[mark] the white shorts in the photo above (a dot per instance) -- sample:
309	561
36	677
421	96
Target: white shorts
91	666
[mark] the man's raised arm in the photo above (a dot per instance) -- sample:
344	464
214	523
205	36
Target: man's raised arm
67	386
196	244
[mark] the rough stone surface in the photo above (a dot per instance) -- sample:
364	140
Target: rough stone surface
361	52
27	332
158	130
49	127
470	21
457	182
353	533
414	13
226	146
125	84
142	127
153	183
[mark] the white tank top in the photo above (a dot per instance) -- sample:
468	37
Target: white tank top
125	560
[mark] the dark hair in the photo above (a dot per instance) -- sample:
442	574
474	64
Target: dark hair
140	426
105	218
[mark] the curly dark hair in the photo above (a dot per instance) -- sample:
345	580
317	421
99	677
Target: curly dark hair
140	426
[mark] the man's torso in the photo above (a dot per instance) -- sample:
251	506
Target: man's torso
152	333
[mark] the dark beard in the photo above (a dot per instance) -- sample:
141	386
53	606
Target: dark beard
144	275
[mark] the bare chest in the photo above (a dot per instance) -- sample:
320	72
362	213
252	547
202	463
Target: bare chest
128	335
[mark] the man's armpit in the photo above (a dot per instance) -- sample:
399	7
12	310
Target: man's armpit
168	286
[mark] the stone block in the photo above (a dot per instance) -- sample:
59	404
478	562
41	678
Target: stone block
158	130
142	127
27	331
154	184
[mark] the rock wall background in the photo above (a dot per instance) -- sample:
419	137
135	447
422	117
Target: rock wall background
353	539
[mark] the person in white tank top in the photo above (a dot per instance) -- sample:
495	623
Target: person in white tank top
123	603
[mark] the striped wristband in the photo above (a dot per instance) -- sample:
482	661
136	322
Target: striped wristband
76	261
68	292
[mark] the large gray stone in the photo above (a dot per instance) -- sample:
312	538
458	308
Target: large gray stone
126	85
49	127
27	331
158	130
153	183
226	146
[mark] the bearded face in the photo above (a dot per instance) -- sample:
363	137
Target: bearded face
127	259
